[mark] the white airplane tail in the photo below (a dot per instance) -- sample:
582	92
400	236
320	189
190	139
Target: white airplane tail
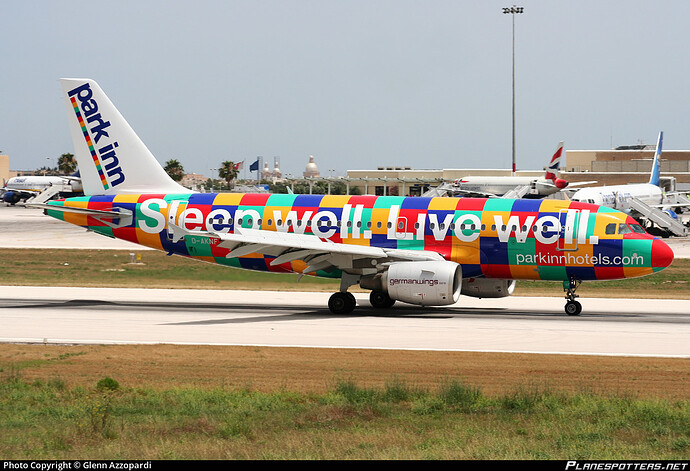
655	177
111	157
553	169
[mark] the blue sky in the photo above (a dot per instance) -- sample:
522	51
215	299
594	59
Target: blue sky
357	84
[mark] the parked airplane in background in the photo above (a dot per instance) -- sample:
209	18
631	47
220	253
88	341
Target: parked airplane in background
18	189
509	186
641	200
423	251
527	187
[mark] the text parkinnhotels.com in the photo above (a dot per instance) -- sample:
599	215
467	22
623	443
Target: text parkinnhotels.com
633	260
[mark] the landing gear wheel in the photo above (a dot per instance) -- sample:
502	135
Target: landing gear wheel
380	299
341	302
573	308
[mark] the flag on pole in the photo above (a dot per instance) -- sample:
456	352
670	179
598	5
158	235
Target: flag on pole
254	166
239	165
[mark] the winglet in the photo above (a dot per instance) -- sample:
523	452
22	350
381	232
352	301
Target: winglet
655	177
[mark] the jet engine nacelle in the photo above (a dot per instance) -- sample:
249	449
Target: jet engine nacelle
671	214
423	283
11	197
487	287
560	183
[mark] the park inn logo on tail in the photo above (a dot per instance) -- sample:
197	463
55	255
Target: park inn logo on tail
102	153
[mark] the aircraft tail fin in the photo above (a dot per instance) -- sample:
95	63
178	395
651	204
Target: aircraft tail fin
111	157
553	169
655	177
555	163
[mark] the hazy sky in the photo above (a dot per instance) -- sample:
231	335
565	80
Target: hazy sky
358	84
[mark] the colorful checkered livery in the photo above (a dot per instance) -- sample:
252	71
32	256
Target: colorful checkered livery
496	238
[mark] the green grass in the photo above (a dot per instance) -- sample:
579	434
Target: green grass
47	420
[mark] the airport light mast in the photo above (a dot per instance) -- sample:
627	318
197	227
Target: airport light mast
513	11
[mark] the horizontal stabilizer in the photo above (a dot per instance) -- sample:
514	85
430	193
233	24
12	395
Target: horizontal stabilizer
124	216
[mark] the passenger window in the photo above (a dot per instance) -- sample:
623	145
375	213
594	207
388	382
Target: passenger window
610	229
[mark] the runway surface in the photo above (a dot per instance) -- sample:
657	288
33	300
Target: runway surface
515	324
518	324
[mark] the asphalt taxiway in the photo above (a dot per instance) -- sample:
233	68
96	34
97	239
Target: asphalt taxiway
517	324
641	327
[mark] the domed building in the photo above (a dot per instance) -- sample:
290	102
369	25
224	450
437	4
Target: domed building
277	173
312	171
266	173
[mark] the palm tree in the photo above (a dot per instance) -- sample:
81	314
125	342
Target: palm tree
67	164
228	171
175	169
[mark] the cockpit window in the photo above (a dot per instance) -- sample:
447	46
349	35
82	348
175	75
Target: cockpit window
610	229
637	228
624	229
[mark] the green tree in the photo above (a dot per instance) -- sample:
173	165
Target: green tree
228	171
67	164
175	169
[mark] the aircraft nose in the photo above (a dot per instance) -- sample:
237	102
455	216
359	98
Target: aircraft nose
662	254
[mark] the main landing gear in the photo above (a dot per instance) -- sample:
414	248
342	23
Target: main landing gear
342	302
380	299
572	307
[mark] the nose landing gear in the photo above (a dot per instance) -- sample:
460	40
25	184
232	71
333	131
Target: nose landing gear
572	307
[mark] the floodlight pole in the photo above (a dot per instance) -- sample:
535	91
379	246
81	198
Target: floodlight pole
512	11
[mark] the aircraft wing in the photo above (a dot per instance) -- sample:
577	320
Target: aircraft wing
317	253
571	184
449	188
473	193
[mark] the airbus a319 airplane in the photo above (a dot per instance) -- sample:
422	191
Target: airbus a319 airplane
423	251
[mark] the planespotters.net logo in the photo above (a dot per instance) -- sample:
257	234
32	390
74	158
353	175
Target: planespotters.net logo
626	466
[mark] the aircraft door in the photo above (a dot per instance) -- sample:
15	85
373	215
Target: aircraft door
567	241
175	209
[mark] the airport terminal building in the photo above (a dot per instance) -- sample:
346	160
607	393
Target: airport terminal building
626	164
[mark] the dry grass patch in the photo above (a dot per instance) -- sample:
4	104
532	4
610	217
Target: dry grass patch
305	370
